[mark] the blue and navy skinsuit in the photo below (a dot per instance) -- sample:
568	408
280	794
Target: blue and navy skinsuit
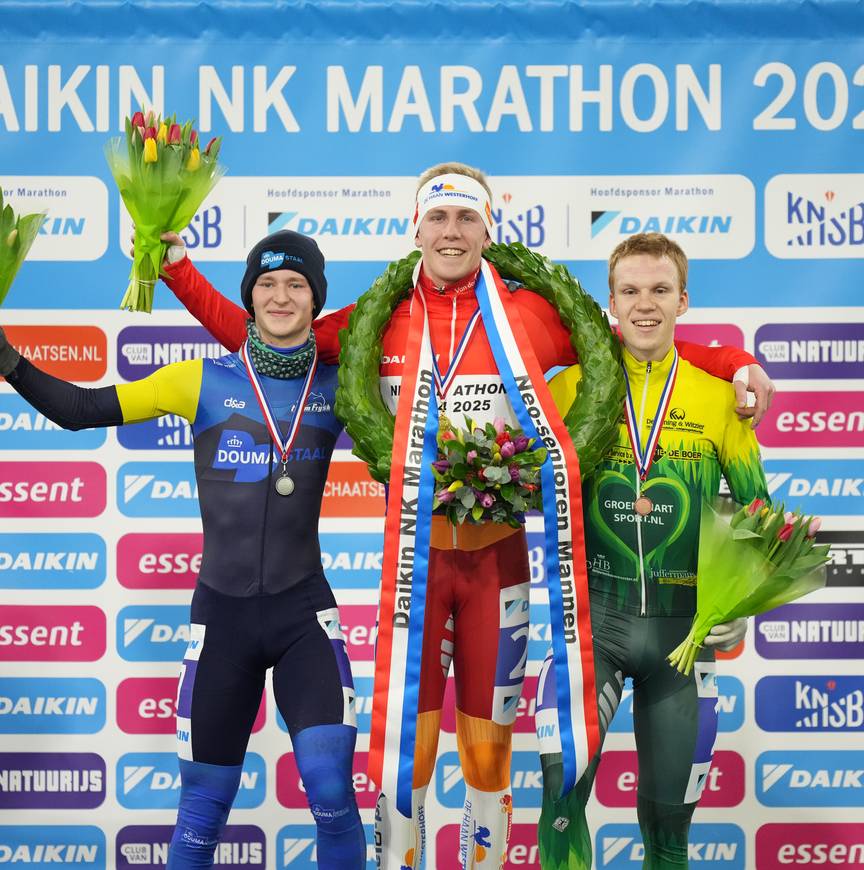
261	600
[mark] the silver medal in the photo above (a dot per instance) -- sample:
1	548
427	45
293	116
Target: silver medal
284	485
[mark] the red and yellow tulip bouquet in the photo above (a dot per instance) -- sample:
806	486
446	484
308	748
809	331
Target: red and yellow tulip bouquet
17	234
163	175
763	557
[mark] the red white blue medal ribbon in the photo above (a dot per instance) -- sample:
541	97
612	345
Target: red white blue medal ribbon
283	445
644	457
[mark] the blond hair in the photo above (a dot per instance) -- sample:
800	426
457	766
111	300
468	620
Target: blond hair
655	245
454	169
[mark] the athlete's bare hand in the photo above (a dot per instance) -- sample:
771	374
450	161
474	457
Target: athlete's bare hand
753	380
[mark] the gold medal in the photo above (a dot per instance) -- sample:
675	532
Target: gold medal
643	506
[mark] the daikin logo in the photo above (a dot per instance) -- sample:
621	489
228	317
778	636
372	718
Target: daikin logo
153	633
296	847
46	846
620	847
809	779
157	489
51	705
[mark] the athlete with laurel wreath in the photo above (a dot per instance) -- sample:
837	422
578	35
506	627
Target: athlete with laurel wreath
446	331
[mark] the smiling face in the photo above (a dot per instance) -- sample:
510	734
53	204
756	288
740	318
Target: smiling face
283	303
647	298
452	240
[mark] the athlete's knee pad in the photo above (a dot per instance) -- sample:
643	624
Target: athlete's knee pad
206	794
324	754
664	832
484	750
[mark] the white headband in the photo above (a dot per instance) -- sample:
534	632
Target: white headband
461	190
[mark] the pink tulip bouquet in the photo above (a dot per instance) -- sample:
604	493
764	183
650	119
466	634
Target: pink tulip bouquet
17	234
763	557
486	473
163	175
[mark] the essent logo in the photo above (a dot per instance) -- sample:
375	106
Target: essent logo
151	780
620	846
358	624
51	780
153	633
62	560
45	846
52	633
825	778
170	560
804	844
38	489
810	703
289	786
617	780
814	419
74	353
51	705
157	489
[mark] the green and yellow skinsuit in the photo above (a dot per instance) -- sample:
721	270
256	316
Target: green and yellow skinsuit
642	585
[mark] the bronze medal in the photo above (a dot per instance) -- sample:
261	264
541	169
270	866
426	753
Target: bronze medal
643	506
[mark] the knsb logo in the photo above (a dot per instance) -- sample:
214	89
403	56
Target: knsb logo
713	216
522	850
362	706
296	847
811	631
824	778
171	560
811	350
151	781
524	711
779	846
351	492
814	216
810	703
721	846
846	554
358	624
42	847
147	846
291	793
53	633
74	353
153	633
617	780
157	489
23	428
526	226
147	705
51	780
51	705
353	560
51	561
814	419
143	349
35	489
821	487
170	432
711	335
526	780
730	706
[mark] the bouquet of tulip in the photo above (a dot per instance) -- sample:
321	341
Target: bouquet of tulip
163	177
486	473
17	234
762	558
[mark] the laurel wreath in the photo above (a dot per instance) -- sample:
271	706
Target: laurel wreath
595	413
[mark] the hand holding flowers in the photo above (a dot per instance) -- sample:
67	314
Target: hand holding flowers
163	177
762	558
486	473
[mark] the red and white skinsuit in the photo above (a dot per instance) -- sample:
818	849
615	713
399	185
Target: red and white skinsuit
475	571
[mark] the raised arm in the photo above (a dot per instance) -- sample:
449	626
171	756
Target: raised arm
171	390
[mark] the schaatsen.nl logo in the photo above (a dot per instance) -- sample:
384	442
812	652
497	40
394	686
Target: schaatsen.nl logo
826	778
44	847
619	847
